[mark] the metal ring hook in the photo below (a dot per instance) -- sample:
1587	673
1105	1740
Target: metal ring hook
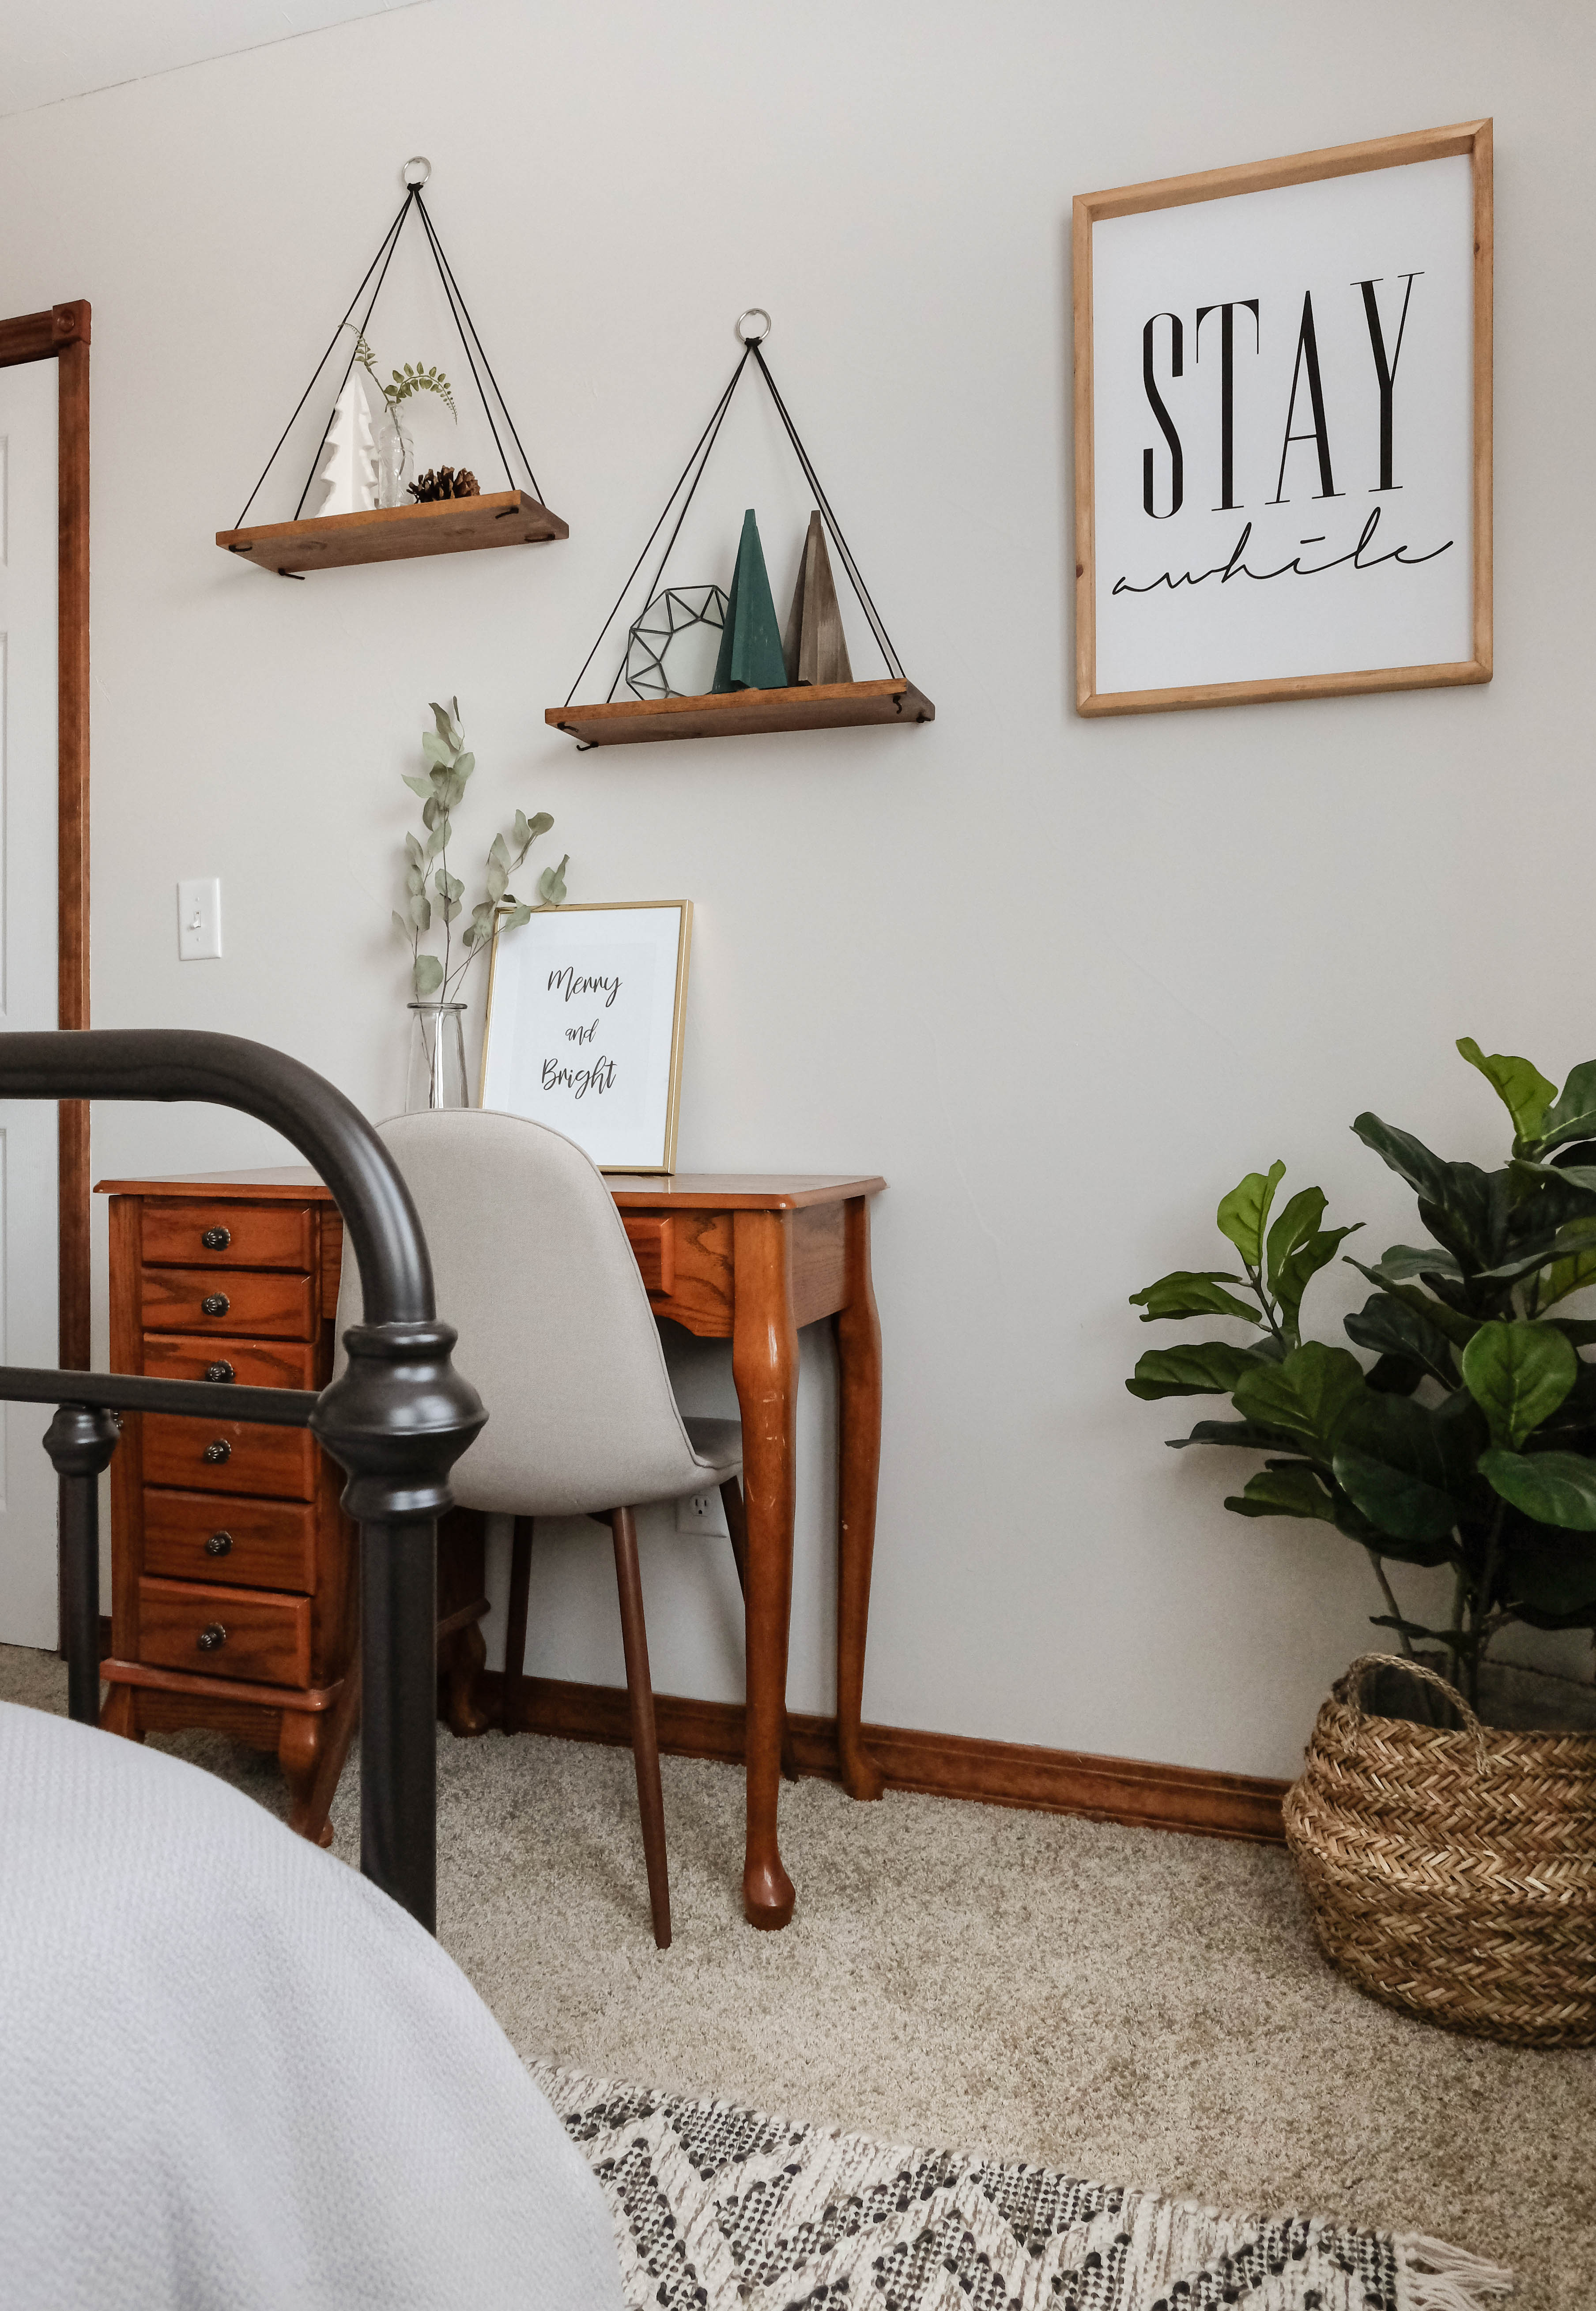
415	172
754	337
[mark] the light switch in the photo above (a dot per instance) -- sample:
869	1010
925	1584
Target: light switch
199	918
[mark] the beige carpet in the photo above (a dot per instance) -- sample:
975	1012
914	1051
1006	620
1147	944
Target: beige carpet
1132	2007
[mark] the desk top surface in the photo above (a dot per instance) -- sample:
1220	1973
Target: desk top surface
691	1191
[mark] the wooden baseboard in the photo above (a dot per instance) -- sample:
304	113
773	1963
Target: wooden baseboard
942	1765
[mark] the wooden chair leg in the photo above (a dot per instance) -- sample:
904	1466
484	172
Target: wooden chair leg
645	1744
513	1717
333	1756
736	1525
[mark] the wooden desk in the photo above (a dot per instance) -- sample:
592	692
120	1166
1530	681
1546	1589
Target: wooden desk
751	1260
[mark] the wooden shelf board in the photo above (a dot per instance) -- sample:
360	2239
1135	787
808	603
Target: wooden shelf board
741	713
395	532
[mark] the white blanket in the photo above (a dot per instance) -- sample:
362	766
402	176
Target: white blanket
234	2077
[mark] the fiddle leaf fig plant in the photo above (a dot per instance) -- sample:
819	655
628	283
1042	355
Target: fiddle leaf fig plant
437	978
1469	1440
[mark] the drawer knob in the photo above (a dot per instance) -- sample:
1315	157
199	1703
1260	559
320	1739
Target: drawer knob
216	1239
220	1544
219	1370
211	1636
219	1450
215	1304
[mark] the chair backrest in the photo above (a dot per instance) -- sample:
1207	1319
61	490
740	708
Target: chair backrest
533	1268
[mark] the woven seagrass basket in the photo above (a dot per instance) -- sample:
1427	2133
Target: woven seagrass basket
1452	1869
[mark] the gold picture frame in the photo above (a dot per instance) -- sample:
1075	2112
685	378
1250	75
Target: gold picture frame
1471	139
651	1043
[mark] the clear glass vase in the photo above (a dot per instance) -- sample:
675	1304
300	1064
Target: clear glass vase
436	1075
392	447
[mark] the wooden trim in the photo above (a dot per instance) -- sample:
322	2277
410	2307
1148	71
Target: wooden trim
63	335
73	1158
942	1764
1469	137
312	1698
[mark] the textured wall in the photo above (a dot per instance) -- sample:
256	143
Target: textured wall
1062	983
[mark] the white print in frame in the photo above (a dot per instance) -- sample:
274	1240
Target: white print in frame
1283	428
584	1028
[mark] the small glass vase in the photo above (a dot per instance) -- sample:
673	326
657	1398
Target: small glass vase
436	1075
393	447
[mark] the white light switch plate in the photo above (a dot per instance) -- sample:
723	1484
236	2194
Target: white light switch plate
701	1512
199	918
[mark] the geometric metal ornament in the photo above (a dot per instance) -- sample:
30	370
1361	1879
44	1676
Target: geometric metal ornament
671	650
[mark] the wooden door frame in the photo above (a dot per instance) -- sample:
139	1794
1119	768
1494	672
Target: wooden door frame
61	335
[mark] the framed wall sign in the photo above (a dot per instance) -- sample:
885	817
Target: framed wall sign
584	1028
1283	428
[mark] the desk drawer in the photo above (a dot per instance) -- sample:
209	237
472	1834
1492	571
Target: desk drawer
244	1303
653	1247
252	1364
252	1544
230	1456
247	1634
238	1235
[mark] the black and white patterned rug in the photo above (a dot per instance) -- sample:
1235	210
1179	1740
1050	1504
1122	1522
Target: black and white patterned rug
721	2209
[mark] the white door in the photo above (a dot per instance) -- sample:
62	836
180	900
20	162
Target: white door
28	1246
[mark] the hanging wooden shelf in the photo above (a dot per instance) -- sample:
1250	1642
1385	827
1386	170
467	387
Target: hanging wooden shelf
395	532
741	713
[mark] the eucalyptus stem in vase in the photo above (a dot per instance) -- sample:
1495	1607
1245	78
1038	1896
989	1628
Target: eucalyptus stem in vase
438	1063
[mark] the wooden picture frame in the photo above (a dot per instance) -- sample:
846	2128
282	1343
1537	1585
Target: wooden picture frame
1114	650
62	335
576	950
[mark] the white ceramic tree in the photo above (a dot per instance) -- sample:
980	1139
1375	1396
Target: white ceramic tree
348	463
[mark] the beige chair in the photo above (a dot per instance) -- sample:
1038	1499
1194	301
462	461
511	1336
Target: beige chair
532	1266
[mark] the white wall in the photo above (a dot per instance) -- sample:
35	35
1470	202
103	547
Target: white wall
1061	982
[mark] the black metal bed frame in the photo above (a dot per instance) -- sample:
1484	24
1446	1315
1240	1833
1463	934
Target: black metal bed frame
396	1419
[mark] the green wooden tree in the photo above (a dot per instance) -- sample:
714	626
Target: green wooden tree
751	654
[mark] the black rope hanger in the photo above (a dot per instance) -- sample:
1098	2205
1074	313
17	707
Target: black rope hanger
693	474
416	172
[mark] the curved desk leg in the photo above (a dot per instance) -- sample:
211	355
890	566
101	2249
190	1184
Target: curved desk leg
764	1366
859	1390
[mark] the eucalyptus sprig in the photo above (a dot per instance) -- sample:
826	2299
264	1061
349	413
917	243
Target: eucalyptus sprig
442	788
406	383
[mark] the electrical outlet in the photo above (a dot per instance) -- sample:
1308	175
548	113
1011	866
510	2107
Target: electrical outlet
701	1512
199	918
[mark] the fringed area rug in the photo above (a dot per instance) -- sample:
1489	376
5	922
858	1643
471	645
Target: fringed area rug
722	2208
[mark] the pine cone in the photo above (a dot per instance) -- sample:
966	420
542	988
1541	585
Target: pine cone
445	482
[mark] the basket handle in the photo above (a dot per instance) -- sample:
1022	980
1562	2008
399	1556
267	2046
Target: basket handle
1348	1687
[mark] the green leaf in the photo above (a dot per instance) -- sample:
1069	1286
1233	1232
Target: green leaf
1393	1462
1577	1331
1244	1433
402	926
420	910
1210	1368
516	917
1457	1328
1298	1223
1292	1491
1518	1374
1522	1088
1305	1263
437	749
428	976
422	786
497	878
413	850
1306	1397
1190	1292
527	830
448	886
1408	1157
1553	1487
1404	1262
464	766
1391	1328
550	884
1548	1570
1573	1116
1244	1214
1565	1276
